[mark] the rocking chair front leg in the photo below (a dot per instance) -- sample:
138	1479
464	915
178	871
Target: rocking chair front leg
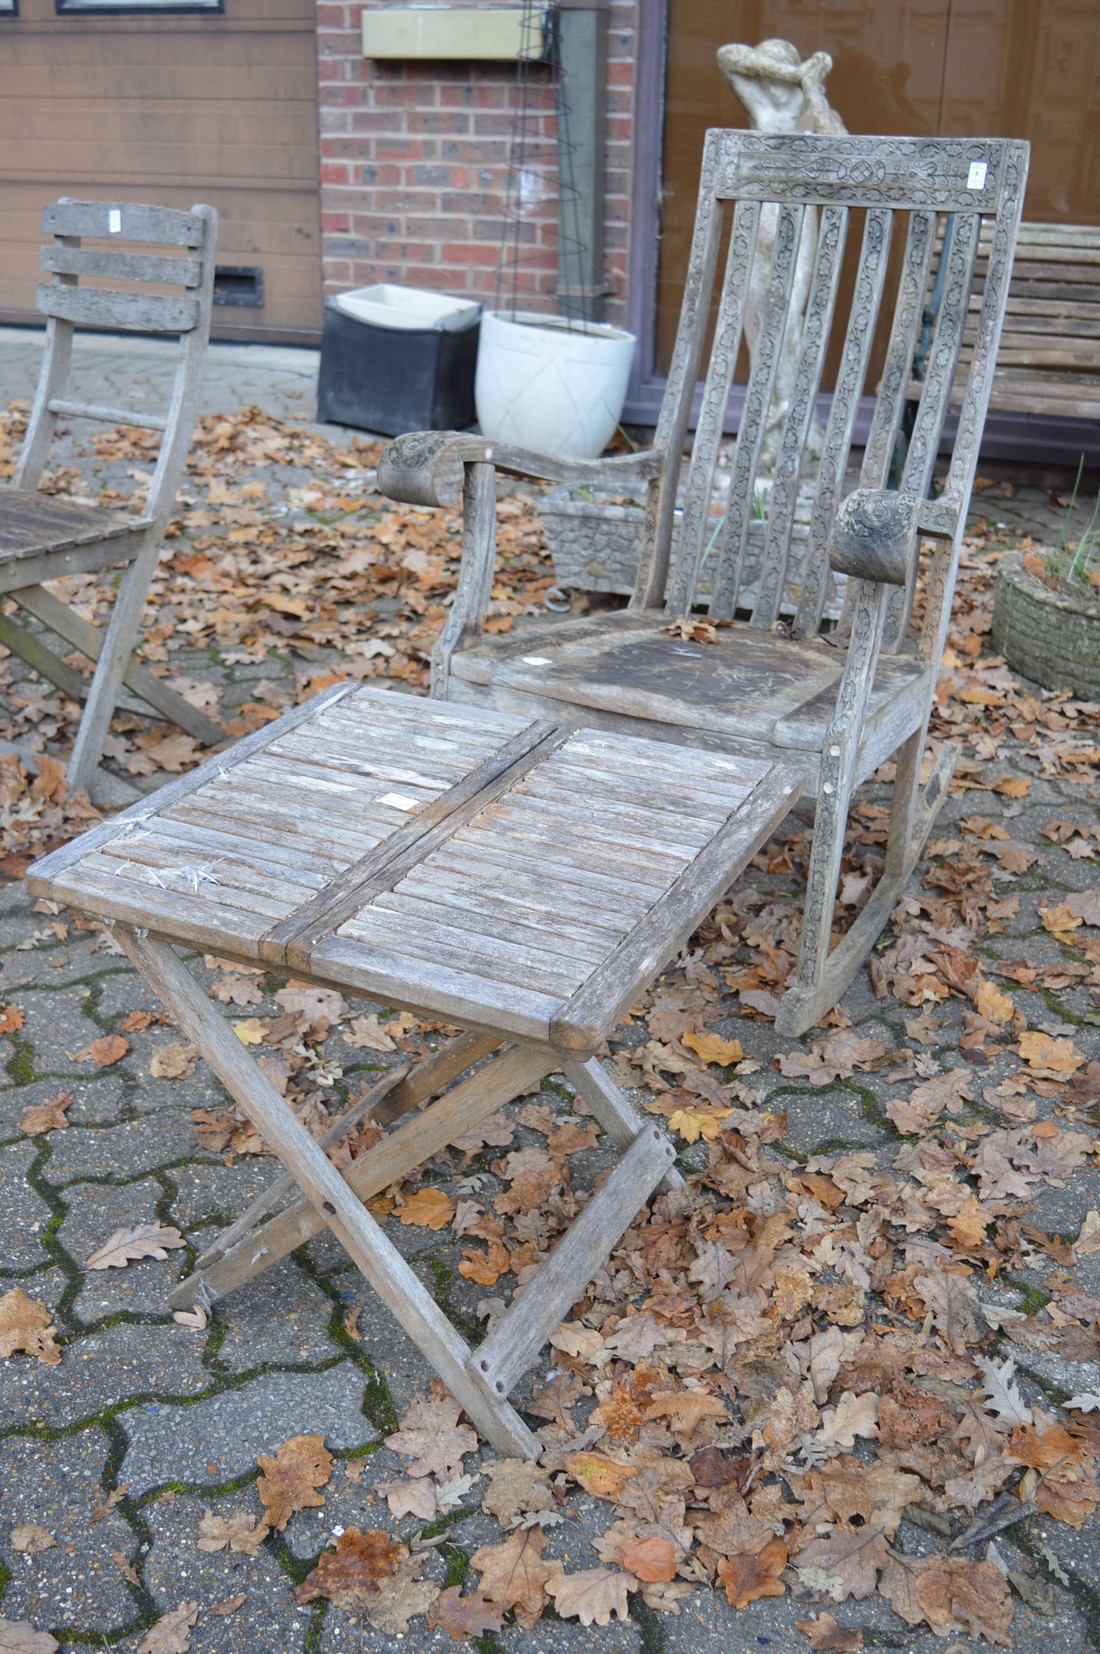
335	1202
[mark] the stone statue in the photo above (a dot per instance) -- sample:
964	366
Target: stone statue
782	93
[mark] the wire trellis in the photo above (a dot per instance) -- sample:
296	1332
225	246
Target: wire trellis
541	172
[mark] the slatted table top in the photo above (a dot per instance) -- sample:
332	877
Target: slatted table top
497	871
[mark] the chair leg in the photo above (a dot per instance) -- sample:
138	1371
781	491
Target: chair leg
241	1259
613	1110
822	976
118	644
336	1204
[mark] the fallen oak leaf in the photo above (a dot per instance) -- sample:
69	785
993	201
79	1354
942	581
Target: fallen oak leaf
513	1575
103	1052
11	1019
651	1560
825	1633
723	1053
229	1605
20	1637
41	1117
431	1436
428	1208
27	1326
291	1478
748	1577
599	1475
237	1532
126	1246
172	1632
461	1616
173	1062
350	1574
595	1596
518	1490
30	1540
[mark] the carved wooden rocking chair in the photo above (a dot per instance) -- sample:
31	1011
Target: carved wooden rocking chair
98	253
775	682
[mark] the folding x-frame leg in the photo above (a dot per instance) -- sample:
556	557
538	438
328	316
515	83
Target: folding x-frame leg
479	1380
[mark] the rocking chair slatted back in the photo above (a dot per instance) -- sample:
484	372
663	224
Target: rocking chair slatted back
796	202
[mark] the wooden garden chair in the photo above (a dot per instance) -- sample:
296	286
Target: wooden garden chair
522	881
773	681
103	258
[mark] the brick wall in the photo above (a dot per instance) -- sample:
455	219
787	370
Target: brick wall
414	167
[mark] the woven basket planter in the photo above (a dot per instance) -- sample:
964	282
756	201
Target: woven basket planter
1049	637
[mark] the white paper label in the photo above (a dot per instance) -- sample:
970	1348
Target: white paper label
398	801
114	221
536	660
976	177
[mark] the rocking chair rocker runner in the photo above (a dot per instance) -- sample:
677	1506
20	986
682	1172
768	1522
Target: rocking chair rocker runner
98	253
773	684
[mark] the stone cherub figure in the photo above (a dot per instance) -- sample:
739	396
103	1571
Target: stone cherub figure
782	93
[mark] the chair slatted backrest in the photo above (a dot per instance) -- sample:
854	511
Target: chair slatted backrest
775	197
109	264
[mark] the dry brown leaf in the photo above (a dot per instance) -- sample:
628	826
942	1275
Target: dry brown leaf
172	1632
1051	1058
350	1574
431	1436
173	1062
461	1616
513	1574
428	1208
41	1117
11	1019
972	1598
843	1562
650	1560
126	1246
595	1596
237	1532
228	1606
27	1325
599	1475
748	1577
713	1048
517	1489
20	1637
825	1633
291	1478
29	1539
103	1052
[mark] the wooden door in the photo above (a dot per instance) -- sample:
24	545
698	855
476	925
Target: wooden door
170	105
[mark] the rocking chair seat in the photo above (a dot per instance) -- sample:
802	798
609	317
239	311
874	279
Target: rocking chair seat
748	691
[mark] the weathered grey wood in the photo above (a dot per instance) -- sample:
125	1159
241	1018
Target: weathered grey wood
773	686
154	226
338	1206
129	312
62	409
43	539
428	468
537	1308
144	684
277	1191
613	1110
510	1075
58	259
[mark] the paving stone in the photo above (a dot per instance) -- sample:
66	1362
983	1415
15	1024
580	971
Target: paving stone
281	1316
56	1027
95	1211
58	1485
71	961
172	1443
828	1117
121	1150
100	1369
175	1571
211	1194
26	1214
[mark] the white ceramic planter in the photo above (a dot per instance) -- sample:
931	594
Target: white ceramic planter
550	384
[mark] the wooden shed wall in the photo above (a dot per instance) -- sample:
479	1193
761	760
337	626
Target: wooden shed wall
172	108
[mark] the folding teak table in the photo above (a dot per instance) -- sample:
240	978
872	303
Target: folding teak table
522	881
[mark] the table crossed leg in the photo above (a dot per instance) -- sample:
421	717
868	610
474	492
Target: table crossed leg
480	1380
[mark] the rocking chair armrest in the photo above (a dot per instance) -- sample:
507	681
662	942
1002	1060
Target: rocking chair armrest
873	536
428	467
876	531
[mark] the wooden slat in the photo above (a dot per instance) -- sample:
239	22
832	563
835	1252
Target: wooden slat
154	226
127	312
537	1308
61	260
109	416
